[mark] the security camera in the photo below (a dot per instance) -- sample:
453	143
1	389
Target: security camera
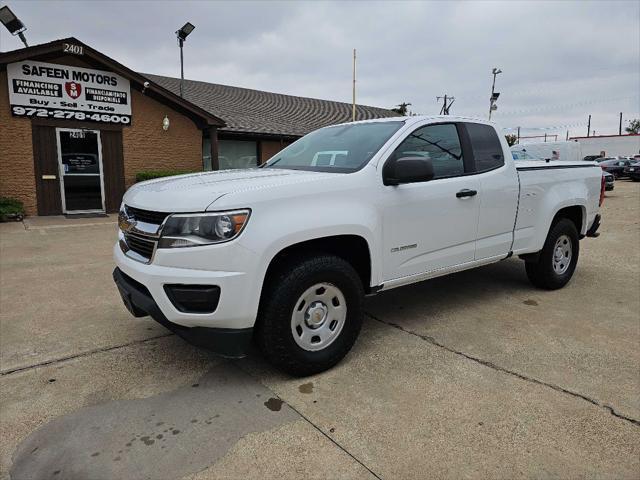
145	85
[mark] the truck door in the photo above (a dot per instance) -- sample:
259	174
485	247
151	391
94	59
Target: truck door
499	186
431	225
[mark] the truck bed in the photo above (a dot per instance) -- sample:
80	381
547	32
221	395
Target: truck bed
547	187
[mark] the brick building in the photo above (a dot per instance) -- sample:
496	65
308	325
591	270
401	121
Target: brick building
76	126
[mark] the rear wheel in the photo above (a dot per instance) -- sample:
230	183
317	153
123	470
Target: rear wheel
558	258
310	314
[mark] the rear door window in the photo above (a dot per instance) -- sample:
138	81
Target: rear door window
486	146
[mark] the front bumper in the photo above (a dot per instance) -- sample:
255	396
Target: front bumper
228	342
230	267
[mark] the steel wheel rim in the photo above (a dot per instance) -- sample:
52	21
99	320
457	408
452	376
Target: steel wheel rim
562	253
318	317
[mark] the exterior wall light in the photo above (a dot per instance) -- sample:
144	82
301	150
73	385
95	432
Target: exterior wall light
165	123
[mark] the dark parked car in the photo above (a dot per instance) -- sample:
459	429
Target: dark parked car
615	166
593	158
633	171
608	181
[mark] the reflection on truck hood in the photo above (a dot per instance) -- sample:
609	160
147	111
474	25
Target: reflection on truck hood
195	192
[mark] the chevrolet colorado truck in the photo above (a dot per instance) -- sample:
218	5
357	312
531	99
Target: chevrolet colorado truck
284	254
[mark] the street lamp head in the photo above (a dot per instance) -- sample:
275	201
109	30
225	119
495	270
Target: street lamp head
184	32
9	20
496	71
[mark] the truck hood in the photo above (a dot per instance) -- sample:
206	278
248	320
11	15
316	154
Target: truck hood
196	192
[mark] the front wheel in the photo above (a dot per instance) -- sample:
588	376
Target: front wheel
310	314
558	258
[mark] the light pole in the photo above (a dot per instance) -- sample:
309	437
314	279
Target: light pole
13	23
494	94
182	35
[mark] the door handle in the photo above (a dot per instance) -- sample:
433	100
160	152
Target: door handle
466	193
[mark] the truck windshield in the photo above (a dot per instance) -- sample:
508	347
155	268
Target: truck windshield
340	149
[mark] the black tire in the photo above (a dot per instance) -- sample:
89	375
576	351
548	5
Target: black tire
541	272
284	288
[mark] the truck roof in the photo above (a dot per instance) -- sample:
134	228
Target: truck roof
419	118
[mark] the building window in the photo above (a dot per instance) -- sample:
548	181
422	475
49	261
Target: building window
237	154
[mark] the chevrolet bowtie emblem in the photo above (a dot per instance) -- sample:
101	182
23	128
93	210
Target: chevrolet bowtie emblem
125	222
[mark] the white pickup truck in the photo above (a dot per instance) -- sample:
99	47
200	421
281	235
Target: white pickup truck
284	254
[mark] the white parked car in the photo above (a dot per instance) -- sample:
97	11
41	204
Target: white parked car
284	254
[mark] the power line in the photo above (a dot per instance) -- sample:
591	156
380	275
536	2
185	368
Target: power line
566	105
614	72
554	127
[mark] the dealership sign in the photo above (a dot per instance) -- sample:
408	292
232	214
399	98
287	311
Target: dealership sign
47	90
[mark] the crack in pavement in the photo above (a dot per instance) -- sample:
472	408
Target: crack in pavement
498	368
304	417
358	461
87	353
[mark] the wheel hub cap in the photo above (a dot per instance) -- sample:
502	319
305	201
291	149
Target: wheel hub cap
562	254
318	316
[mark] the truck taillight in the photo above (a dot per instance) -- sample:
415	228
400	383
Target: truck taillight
602	185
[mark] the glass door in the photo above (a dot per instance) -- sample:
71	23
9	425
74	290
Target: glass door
80	162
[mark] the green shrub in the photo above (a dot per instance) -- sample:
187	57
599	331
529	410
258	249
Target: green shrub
151	174
10	205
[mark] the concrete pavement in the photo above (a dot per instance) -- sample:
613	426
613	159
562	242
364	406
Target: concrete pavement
476	375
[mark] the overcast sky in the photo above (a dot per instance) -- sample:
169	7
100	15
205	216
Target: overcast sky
561	60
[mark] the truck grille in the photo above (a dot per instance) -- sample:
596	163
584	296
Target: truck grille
140	230
146	216
140	245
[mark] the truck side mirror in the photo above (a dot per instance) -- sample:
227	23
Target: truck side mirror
407	170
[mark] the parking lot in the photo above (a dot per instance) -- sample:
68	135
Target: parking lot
475	375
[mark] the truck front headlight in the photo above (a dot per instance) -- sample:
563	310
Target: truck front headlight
193	229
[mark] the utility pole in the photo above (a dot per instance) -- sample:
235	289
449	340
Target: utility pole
588	126
545	138
620	127
567	136
181	44
518	135
494	94
353	104
446	106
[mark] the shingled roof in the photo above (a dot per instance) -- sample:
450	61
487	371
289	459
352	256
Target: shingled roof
254	111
